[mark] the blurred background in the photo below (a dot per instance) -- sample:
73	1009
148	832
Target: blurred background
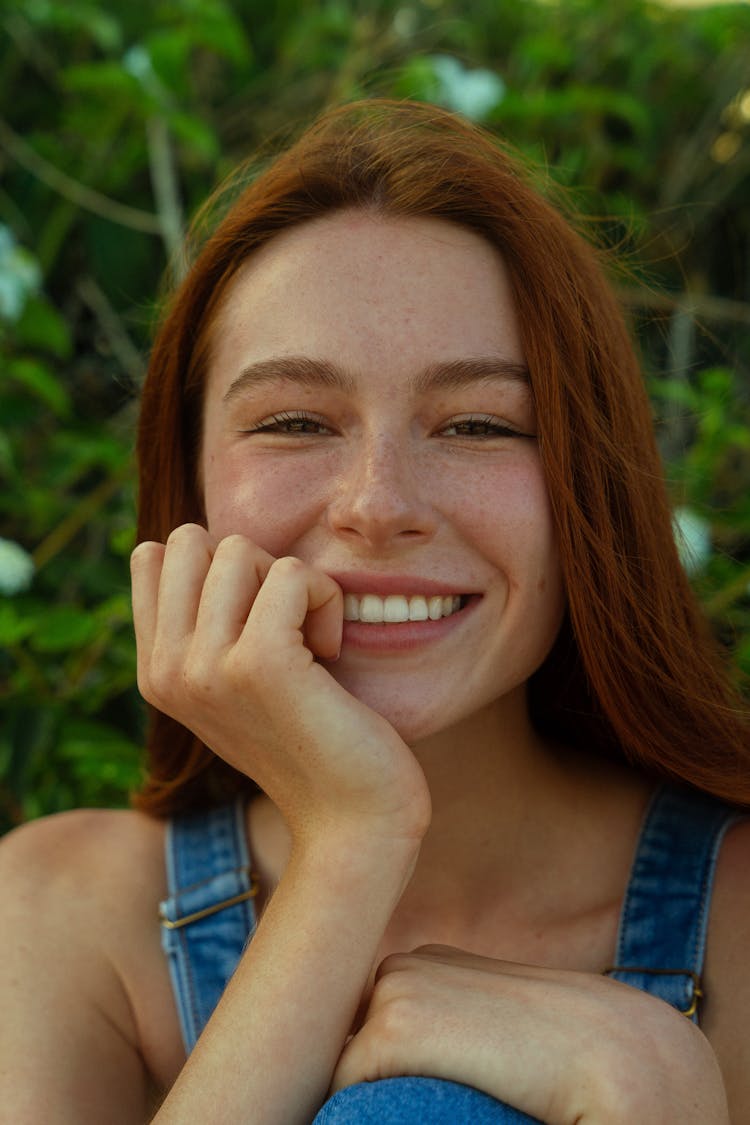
117	119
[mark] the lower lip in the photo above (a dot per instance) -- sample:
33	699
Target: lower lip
402	636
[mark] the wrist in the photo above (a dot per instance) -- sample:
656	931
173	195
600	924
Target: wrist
345	859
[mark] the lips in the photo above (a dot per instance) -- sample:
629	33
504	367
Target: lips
374	609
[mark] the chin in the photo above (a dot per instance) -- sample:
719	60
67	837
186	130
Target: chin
416	716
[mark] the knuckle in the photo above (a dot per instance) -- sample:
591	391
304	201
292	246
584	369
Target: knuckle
231	544
144	554
186	534
198	676
159	676
394	1018
392	980
243	667
144	684
287	566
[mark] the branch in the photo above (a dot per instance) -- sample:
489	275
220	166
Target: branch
125	351
703	306
80	194
166	192
84	511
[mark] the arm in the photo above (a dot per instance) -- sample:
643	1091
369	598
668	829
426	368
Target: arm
562	1046
231	642
68	1043
280	1027
357	806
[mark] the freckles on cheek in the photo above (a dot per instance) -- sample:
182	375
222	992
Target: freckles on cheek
268	506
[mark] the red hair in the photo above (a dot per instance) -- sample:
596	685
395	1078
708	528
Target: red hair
634	671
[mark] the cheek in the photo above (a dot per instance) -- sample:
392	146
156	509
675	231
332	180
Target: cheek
506	512
269	505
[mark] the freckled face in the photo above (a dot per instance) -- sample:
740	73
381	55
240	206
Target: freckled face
366	411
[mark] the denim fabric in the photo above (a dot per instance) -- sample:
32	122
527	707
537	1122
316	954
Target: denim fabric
660	946
427	1101
661	942
207	864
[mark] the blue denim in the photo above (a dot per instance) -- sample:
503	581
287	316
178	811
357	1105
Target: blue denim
660	946
429	1101
207	864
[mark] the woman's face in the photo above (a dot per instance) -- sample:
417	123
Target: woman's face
367	411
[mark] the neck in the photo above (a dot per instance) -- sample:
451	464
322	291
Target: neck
515	817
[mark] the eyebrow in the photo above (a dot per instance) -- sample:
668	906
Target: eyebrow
450	375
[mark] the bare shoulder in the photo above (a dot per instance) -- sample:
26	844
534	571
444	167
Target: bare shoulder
87	864
82	977
726	1020
57	848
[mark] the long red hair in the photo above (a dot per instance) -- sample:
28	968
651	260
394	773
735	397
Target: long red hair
634	671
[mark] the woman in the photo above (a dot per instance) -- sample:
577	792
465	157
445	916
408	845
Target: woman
419	650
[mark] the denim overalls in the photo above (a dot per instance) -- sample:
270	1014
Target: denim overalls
209	917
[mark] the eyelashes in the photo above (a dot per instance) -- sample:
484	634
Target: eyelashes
289	423
480	426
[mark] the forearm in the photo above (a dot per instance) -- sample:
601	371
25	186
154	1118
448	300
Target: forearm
269	1050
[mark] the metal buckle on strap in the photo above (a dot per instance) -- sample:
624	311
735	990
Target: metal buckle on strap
697	984
168	924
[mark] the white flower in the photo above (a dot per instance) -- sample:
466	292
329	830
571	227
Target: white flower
692	534
16	568
470	92
20	275
137	61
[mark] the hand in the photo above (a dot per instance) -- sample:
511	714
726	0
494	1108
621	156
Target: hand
227	642
564	1047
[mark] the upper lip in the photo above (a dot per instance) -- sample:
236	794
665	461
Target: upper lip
360	583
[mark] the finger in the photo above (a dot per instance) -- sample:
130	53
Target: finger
296	598
449	957
187	558
145	569
237	572
324	626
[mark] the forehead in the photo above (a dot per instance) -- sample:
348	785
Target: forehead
369	291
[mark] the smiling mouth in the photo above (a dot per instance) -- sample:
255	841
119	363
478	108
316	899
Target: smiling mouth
371	609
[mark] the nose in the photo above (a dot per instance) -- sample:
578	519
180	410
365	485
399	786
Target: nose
382	500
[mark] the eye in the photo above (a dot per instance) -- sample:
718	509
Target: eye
480	426
290	422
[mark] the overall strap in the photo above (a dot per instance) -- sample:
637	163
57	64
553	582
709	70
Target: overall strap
209	915
662	937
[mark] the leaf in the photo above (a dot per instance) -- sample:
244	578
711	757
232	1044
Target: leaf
62	629
15	624
104	78
197	134
36	377
67	15
42	327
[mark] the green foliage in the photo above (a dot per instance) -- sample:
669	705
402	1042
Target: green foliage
117	121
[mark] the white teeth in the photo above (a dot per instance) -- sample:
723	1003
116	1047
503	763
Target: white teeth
395	608
351	608
418	608
371	609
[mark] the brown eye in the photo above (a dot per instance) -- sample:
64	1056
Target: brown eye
480	426
288	423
